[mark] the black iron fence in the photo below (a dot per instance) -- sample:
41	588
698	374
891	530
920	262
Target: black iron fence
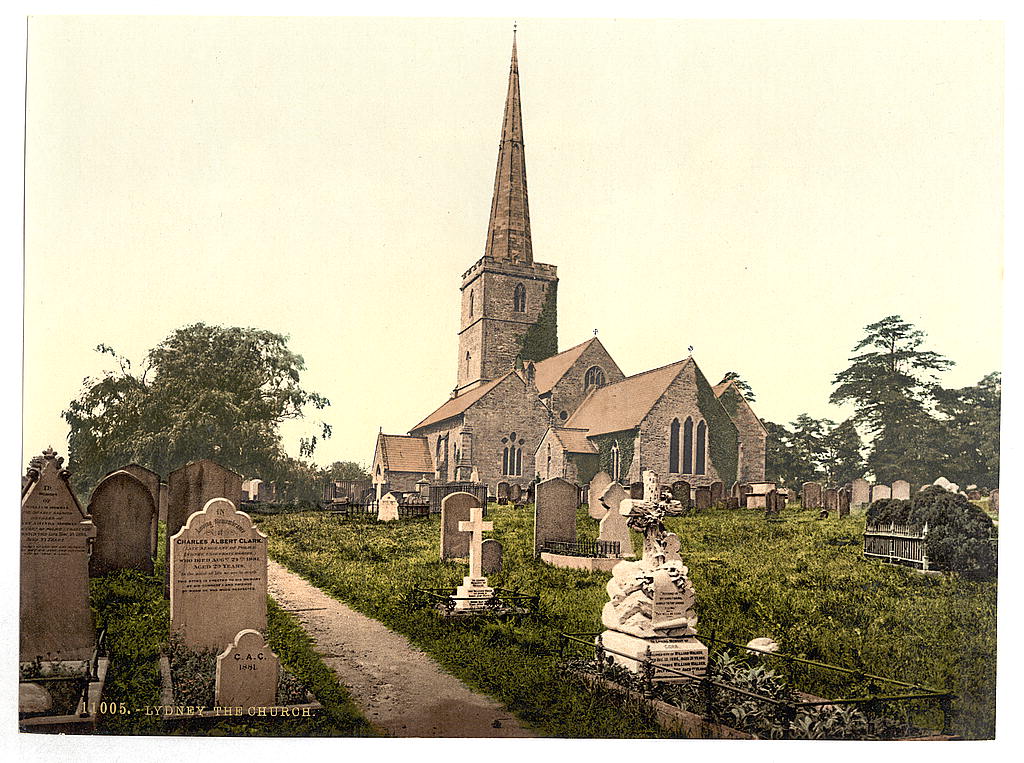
502	601
880	692
78	684
594	549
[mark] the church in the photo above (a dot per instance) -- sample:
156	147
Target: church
522	410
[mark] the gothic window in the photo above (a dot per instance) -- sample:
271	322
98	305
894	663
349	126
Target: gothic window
512	456
616	462
702	436
687	465
593	378
673	447
470	304
519	298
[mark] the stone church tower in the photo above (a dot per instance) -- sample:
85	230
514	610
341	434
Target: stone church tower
509	302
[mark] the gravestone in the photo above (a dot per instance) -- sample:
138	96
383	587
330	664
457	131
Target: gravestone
681	493
773	503
218	569
528	493
993	500
732	502
843	503
387	508
474	593
880	492
125	515
515	493
717	493
901	490
554	514
56	623
597	486
745	491
735	490
614	526
861	492
191	487
247	672
147	477
810	495
636	490
162	503
832	499
454	509
491	552
702	498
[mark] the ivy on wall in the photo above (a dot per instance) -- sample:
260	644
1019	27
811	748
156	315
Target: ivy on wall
723	439
604	447
541	340
587	465
730	401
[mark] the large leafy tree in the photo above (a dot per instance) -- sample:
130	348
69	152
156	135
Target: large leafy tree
204	392
891	382
970	431
840	454
346	470
784	462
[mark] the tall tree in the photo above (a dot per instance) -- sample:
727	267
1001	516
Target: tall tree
970	431
346	470
784	463
840	455
204	392
891	386
807	437
744	388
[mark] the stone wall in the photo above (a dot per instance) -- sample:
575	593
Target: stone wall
752	435
680	400
568	393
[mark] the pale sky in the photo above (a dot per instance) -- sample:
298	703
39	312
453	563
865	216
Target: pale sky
759	190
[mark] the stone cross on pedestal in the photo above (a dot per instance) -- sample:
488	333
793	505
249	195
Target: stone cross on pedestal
476	526
474	593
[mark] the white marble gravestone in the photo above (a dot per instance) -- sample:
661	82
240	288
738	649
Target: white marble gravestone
474	591
614	526
387	508
218	577
247	672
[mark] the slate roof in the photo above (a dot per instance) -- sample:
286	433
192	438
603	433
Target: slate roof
548	372
458	405
402	453
720	389
623	405
574	440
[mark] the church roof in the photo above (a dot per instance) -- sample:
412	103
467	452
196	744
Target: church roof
402	453
508	232
458	405
574	440
623	405
548	372
739	398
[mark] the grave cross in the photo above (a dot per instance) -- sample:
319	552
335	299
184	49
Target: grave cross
476	526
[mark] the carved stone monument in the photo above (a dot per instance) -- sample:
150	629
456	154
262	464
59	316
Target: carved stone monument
218	577
387	508
615	526
554	512
810	495
56	623
247	673
125	514
598	485
861	492
651	613
455	508
474	593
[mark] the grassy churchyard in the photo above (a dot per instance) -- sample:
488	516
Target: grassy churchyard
800	580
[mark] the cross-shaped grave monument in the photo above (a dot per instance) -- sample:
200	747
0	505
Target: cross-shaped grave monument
474	593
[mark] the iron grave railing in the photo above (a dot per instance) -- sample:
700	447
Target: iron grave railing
595	549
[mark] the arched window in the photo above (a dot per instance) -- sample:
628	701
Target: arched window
616	462
673	447
512	456
547	472
702	436
593	378
470	304
687	465
519	298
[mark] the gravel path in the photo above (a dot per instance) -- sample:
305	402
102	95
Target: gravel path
398	687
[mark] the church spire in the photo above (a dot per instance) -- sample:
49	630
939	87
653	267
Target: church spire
508	233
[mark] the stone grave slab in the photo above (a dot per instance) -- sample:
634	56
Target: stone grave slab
474	593
831	503
192	486
491	552
702	497
717	493
810	495
56	623
861	492
597	486
681	492
615	528
125	515
880	492
554	514
247	673
218	577
515	493
901	490
387	508
455	509
684	654
843	503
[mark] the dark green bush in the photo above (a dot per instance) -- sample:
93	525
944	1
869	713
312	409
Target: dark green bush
959	533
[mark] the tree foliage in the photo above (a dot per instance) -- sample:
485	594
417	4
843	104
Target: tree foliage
813	449
970	439
744	388
204	392
346	470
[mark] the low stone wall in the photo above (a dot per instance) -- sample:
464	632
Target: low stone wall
585	563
